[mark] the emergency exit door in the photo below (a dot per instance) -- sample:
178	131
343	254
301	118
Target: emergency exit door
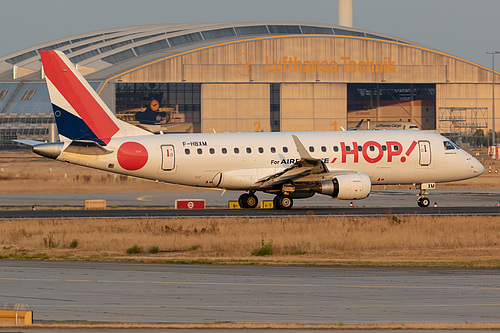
425	153
168	157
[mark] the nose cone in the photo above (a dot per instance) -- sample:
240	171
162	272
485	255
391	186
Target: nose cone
477	167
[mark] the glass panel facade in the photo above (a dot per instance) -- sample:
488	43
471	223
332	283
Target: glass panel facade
31	98
181	101
114	46
218	33
348	32
284	29
415	103
21	57
275	101
151	47
184	39
252	30
83	56
379	37
316	30
119	57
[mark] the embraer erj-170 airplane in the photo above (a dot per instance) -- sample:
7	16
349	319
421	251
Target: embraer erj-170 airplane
343	165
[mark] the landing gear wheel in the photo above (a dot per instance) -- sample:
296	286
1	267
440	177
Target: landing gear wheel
248	200
423	202
283	201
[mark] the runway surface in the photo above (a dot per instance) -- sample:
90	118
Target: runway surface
136	292
450	202
214	199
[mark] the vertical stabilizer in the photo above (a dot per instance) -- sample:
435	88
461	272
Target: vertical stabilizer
79	112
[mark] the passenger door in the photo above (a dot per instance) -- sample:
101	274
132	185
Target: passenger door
425	153
168	157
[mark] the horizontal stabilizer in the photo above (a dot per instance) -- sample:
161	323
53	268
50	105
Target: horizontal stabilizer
31	143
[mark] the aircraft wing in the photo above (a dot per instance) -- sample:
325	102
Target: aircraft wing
305	167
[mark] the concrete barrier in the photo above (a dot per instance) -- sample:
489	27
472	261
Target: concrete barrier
95	204
13	317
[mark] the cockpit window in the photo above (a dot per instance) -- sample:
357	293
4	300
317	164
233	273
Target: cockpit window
448	145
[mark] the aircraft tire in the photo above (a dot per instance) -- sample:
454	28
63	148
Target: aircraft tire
283	201
248	200
423	202
242	200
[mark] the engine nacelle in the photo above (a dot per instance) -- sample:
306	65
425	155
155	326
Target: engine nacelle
346	187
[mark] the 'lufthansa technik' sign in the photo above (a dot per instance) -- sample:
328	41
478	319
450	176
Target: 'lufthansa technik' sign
245	64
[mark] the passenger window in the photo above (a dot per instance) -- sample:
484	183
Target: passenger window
236	150
335	148
261	150
187	151
347	148
200	151
285	149
249	150
323	149
372	148
384	148
224	150
396	148
273	150
360	148
448	145
311	149
212	151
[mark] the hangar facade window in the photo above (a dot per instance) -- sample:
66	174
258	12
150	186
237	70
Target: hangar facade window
182	101
415	103
275	106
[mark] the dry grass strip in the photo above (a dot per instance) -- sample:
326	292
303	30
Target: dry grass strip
387	240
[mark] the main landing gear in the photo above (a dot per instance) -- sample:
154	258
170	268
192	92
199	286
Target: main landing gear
248	200
283	201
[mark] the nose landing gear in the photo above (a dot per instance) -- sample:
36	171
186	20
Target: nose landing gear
422	200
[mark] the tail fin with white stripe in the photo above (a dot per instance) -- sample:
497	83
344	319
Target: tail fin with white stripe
80	113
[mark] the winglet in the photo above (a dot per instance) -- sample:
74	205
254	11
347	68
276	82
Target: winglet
304	154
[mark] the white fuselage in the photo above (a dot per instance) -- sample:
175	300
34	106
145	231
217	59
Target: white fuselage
387	157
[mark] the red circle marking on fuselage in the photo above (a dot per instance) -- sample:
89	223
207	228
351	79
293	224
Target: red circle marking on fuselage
132	156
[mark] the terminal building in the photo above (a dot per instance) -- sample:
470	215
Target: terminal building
258	76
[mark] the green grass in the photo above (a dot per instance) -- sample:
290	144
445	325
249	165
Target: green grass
134	249
266	249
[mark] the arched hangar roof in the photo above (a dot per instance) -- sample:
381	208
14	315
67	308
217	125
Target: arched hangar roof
104	53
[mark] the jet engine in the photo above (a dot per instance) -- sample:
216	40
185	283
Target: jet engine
346	187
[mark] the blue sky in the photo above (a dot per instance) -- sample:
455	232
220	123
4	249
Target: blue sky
466	29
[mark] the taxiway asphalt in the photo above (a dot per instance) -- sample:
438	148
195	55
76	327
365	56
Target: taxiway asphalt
165	293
